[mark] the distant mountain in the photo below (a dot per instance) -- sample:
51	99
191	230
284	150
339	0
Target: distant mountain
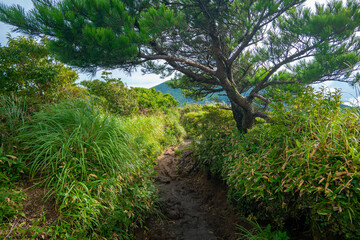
176	93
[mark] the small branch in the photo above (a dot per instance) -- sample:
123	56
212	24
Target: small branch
262	98
194	76
292	58
182	60
247	38
211	90
245	41
278	83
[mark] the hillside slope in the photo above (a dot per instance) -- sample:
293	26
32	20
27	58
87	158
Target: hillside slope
176	93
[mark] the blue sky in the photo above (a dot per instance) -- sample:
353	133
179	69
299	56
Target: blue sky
137	79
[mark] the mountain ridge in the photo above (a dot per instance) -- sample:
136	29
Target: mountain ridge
177	94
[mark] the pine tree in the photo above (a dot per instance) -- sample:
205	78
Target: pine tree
235	46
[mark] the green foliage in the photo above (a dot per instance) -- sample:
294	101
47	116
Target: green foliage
259	233
173	129
97	166
209	126
10	203
86	160
161	20
13	115
305	163
208	47
11	169
104	36
112	95
153	133
151	100
14	112
34	231
82	133
302	166
27	69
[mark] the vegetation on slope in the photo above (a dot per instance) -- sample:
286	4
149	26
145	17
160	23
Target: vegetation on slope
98	167
300	169
91	150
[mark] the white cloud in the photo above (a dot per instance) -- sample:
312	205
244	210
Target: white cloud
322	85
137	79
355	102
311	3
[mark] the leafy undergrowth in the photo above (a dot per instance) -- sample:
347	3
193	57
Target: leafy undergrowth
301	169
97	168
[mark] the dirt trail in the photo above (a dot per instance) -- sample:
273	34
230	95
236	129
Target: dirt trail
194	207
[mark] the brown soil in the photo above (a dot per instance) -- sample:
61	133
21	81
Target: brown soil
39	213
194	206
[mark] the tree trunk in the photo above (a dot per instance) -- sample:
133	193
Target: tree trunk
244	119
242	108
248	120
238	115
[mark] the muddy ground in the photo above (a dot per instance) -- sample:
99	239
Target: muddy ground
193	205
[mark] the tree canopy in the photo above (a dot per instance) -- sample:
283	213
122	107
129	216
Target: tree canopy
28	69
235	46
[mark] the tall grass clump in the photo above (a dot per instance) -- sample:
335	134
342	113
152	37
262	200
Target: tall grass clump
92	166
14	112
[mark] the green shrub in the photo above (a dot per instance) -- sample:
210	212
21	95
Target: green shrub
151	100
209	126
11	169
28	69
300	167
88	161
112	95
304	164
97	166
186	108
153	133
14	114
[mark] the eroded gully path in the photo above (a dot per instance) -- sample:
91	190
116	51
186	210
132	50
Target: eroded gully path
194	206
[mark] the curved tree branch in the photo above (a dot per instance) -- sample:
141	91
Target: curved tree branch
182	60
